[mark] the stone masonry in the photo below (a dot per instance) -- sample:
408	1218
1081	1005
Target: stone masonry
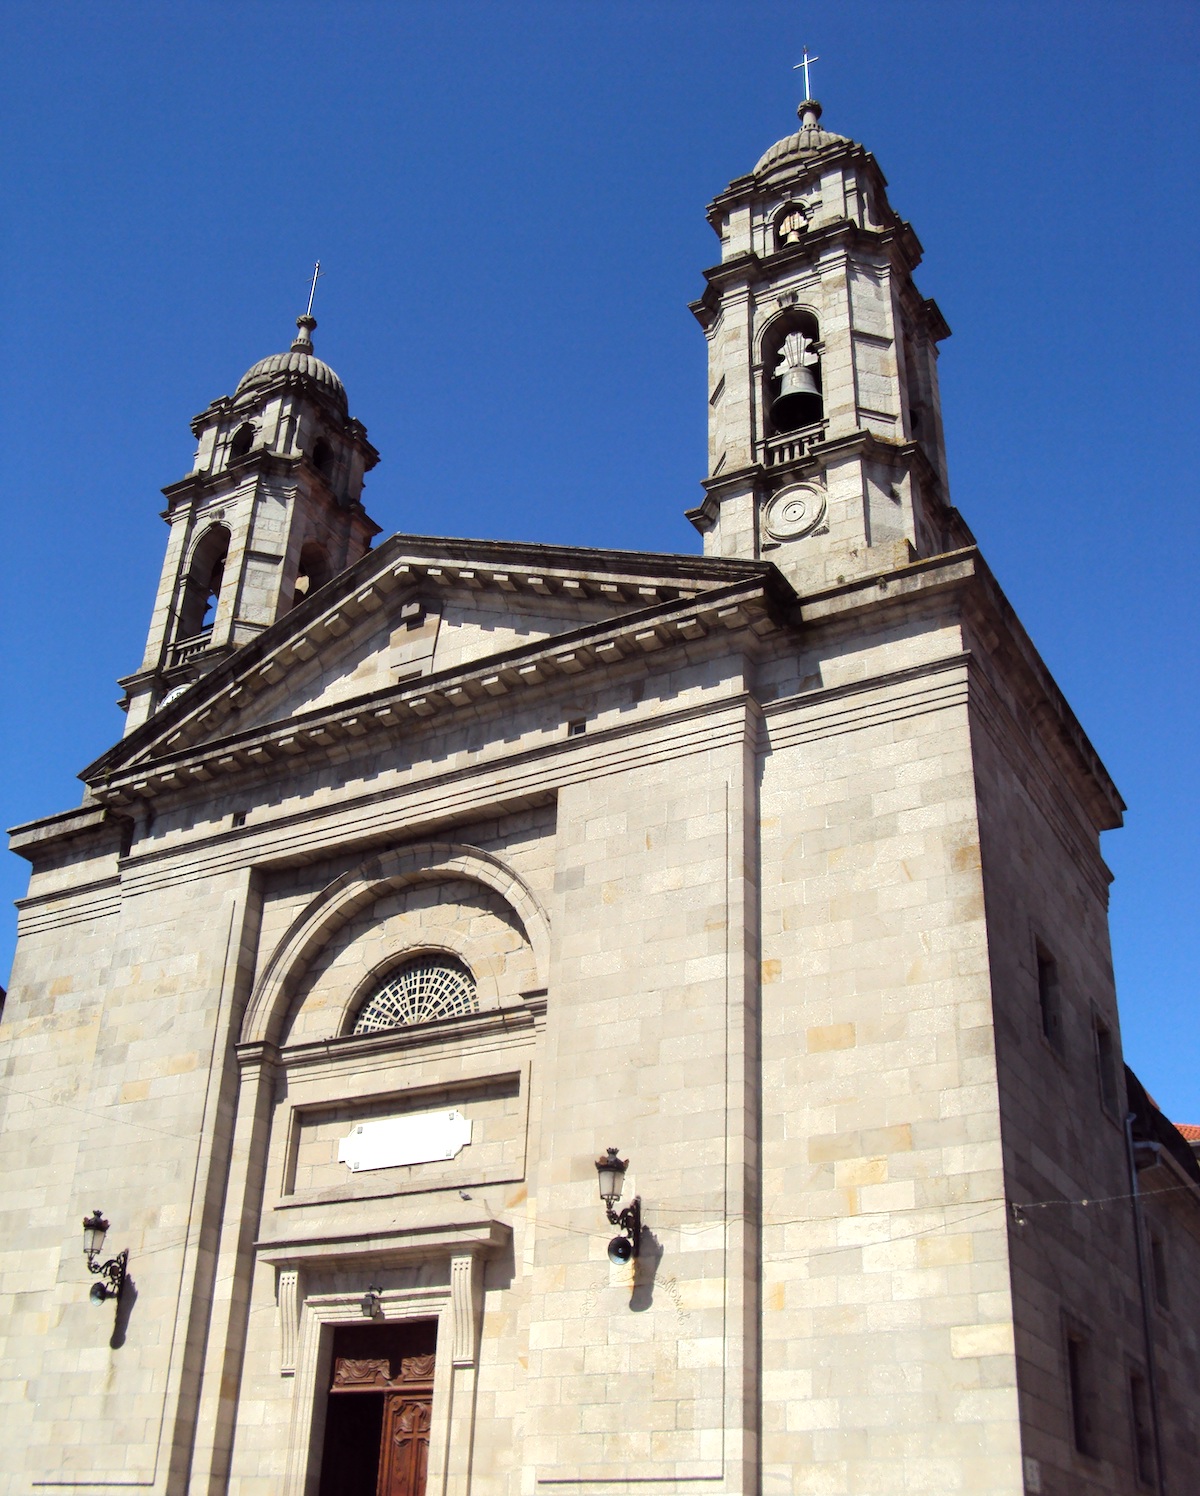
778	868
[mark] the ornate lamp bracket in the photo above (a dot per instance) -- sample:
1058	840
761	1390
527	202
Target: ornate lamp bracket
110	1273
610	1171
629	1220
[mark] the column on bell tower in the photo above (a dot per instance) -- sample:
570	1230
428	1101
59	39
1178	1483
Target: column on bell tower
825	434
270	511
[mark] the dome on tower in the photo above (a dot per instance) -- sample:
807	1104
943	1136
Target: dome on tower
807	141
299	360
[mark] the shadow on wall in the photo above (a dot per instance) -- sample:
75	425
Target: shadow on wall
124	1309
645	1270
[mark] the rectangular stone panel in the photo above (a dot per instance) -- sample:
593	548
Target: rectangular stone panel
495	1108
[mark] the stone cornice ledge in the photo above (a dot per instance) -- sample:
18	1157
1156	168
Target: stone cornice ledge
85	820
884	588
491	1023
1005	644
481	1236
760	605
814	458
404	563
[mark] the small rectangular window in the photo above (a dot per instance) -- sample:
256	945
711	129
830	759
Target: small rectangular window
1158	1270
576	726
1080	1392
1049	996
1106	1066
1143	1429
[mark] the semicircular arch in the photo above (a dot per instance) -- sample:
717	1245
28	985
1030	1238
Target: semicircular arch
782	321
338	902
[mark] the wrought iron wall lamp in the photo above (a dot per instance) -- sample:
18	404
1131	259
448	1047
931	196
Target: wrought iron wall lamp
611	1176
112	1272
371	1304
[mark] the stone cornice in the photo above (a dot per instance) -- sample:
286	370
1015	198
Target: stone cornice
404	563
68	825
1007	650
436	799
197	486
258	463
199	749
171	673
865	443
843	231
419	1238
163	757
790	170
281	382
490	1024
746	268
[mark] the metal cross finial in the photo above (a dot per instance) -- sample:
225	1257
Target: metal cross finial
804	63
313	288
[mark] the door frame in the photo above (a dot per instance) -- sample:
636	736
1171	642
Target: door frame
453	1374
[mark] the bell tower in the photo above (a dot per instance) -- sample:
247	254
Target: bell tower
825	451
270	511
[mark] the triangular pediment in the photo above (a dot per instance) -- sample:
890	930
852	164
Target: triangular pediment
419	611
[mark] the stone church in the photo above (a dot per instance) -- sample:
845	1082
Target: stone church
531	1021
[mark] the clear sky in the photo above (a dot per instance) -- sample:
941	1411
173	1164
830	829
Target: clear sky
508	200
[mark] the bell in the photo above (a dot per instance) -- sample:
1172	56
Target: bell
798	402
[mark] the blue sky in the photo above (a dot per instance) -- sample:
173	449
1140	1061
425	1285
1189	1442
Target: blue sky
509	204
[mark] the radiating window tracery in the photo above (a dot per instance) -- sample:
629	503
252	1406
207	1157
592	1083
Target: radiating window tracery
421	991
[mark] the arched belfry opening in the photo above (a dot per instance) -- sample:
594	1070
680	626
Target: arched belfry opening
792	373
202	588
322	458
791	224
243	440
313	572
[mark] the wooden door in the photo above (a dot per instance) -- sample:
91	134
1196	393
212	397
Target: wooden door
379	1410
404	1452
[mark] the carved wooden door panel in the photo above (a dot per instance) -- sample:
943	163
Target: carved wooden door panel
404	1455
379	1409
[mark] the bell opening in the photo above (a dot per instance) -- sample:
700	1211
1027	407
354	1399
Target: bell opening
796	408
793	374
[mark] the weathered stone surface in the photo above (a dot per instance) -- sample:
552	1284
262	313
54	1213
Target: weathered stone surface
754	874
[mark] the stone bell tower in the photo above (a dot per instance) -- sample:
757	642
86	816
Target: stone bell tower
825	432
270	511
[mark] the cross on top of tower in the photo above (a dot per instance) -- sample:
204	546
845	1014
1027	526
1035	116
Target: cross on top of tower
307	323
805	62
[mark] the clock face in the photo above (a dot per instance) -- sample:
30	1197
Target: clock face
174	693
794	512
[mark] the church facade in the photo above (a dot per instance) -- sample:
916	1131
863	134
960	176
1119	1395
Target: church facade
549	1022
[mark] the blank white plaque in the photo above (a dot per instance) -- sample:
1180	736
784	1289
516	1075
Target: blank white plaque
418	1138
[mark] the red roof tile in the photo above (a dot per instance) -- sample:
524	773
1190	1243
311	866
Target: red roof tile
1190	1131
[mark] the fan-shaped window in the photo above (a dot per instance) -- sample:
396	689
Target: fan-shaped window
243	440
421	991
